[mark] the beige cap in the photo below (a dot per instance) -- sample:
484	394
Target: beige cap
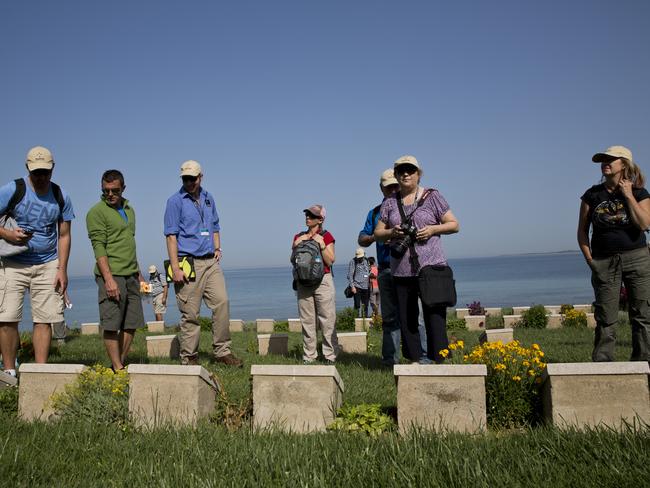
359	253
613	152
39	158
317	210
152	269
388	178
191	168
406	160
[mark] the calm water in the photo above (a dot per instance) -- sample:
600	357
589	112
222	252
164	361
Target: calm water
550	279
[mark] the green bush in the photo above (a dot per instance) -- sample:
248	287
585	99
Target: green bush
9	400
494	322
345	318
97	396
365	418
574	318
281	326
534	318
456	324
565	307
205	323
507	311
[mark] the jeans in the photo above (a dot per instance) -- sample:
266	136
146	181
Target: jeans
390	324
633	269
361	301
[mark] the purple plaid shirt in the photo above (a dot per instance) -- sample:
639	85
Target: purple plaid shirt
429	252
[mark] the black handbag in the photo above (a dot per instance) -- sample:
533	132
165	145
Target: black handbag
437	286
348	292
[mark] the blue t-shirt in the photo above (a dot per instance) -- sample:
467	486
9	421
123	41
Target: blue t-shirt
383	251
122	213
40	214
193	223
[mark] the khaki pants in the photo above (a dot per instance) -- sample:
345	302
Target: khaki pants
209	286
317	307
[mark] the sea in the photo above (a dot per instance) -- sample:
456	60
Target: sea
500	281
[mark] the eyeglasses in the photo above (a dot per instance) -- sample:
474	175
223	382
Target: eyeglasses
190	179
405	169
111	191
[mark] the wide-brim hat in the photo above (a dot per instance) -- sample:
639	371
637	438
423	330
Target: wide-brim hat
613	152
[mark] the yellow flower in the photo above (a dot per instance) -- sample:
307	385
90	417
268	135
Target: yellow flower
536	347
452	346
540	354
460	343
525	363
499	366
444	353
531	372
516	378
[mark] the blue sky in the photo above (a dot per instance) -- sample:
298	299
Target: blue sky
286	104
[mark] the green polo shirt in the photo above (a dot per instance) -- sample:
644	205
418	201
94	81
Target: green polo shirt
111	236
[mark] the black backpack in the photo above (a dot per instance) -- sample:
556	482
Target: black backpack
307	261
19	194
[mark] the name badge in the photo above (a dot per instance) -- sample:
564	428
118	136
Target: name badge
205	232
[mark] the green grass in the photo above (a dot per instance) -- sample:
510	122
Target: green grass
76	454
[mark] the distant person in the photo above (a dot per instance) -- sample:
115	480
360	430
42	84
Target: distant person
316	302
412	248
60	329
374	287
158	292
111	230
389	319
34	255
359	282
618	212
192	232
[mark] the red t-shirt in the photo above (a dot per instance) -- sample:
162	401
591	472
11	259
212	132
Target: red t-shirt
327	238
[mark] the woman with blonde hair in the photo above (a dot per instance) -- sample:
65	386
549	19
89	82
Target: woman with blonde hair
618	212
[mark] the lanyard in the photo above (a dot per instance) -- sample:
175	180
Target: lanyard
199	208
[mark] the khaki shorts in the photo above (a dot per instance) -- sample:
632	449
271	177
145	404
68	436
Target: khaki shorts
17	278
158	306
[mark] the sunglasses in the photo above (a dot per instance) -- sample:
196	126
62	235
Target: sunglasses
111	191
190	179
41	172
405	169
311	216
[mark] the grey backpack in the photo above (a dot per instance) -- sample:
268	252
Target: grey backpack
307	261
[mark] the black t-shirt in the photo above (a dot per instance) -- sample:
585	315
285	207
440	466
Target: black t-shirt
613	229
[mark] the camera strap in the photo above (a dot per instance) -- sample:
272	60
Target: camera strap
413	255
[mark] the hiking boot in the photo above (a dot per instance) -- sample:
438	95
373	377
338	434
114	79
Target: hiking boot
229	360
190	361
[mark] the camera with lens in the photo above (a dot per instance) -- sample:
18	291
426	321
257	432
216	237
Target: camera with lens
399	246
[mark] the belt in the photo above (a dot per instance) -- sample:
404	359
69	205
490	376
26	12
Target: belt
205	256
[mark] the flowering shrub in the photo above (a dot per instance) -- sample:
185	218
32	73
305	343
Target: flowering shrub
534	318
364	418
475	308
514	374
574	318
565	307
97	396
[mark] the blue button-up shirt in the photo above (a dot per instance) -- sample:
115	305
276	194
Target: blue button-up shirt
383	251
188	219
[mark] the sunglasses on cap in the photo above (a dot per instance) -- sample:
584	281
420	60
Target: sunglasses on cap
405	169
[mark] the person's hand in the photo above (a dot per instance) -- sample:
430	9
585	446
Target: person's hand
300	238
319	239
179	277
164	301
17	236
61	283
626	188
354	290
425	233
217	255
112	290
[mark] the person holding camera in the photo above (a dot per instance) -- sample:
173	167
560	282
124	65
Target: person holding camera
618	211
412	221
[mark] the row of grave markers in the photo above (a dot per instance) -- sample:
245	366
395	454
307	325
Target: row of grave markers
305	398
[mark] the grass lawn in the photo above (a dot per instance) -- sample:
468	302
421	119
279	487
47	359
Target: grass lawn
79	454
